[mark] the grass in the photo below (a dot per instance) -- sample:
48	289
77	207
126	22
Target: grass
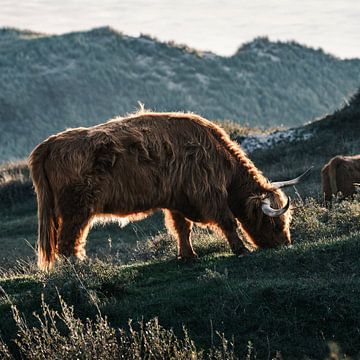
334	134
97	339
300	302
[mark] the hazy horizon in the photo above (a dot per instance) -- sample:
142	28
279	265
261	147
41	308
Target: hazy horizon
220	26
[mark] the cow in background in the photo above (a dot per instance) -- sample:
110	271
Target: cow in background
340	174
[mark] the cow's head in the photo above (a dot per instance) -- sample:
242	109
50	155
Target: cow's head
268	215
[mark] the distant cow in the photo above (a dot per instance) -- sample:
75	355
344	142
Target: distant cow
177	162
339	175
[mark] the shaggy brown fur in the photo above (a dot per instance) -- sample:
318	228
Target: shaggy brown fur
177	162
339	175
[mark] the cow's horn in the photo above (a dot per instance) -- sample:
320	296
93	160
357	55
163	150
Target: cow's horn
269	211
282	184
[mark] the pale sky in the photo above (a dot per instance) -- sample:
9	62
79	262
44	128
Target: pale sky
220	26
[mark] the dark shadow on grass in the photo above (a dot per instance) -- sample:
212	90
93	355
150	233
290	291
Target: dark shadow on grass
295	299
292	299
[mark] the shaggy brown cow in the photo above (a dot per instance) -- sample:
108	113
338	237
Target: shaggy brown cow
177	162
339	175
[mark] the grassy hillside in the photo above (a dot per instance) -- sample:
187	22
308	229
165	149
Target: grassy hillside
299	302
313	145
291	303
48	83
335	134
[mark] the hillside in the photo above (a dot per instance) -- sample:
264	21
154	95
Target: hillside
311	145
48	83
299	302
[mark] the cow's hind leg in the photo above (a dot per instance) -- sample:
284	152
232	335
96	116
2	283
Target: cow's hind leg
72	235
75	220
180	227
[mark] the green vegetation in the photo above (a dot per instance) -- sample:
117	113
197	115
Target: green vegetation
299	302
335	134
49	83
293	301
98	340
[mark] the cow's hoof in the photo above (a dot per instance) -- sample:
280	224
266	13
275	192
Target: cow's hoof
243	253
187	257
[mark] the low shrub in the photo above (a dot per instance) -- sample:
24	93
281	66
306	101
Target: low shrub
313	221
61	335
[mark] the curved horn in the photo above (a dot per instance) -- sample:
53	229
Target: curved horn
282	184
269	211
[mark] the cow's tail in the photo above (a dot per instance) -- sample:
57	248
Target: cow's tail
45	201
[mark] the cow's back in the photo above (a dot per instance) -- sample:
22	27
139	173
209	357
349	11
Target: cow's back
348	173
160	160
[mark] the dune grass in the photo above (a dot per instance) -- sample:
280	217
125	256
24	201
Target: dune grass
299	302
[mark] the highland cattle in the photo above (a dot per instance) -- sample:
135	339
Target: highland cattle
178	162
340	175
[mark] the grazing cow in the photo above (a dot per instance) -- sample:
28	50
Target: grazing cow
177	162
340	175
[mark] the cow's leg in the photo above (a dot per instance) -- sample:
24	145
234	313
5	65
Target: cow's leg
72	235
345	182
75	213
228	225
180	227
